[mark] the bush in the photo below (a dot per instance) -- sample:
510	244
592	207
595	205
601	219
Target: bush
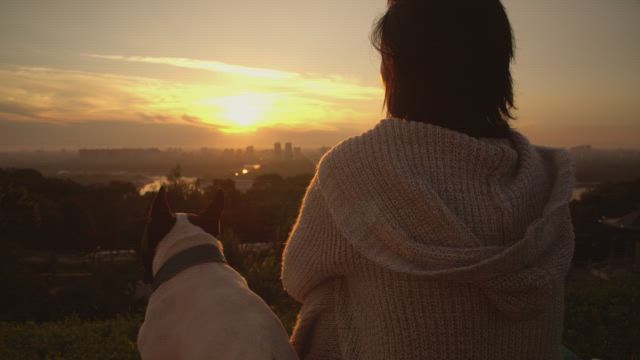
263	277
103	291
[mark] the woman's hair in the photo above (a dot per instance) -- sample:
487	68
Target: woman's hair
448	63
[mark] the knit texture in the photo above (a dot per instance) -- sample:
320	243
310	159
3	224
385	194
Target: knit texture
419	242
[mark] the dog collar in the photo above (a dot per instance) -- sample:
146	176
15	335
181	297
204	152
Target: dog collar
197	255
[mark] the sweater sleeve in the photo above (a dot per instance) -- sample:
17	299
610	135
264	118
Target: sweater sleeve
315	251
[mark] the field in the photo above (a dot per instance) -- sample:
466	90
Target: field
70	339
69	293
600	323
79	339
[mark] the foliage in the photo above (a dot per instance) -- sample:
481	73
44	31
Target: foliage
70	339
101	291
261	269
611	200
39	213
602	318
263	277
608	199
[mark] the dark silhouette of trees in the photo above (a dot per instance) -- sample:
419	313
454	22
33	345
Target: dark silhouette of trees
609	200
41	213
50	230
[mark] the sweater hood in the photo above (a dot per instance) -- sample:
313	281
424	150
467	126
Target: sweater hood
427	201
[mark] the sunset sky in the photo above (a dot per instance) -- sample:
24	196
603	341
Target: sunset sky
250	72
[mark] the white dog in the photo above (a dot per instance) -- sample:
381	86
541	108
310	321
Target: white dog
201	307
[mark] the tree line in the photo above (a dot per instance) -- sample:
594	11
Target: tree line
49	214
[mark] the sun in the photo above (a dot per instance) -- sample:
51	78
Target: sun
243	111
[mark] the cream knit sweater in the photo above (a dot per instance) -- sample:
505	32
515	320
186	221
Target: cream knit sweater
419	242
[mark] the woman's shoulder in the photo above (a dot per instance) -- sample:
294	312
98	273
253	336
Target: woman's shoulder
353	147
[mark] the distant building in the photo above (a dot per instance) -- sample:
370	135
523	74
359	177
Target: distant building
227	154
277	151
250	154
205	151
288	151
297	152
581	151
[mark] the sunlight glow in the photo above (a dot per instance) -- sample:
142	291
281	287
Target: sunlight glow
243	112
234	105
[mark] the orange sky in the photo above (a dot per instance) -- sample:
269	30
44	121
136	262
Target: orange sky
237	73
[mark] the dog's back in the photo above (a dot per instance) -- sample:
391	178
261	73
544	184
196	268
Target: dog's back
207	311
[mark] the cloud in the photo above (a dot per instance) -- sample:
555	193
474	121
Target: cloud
23	135
16	108
40	94
42	107
54	108
63	96
15	135
214	66
335	87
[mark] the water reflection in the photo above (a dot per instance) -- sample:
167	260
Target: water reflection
579	191
155	182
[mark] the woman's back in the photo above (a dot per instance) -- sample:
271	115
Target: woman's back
416	242
441	233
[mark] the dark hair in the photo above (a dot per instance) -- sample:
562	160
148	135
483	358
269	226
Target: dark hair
448	63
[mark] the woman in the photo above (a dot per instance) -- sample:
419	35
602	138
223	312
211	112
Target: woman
441	233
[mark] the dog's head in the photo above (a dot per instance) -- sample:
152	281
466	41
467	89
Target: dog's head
161	219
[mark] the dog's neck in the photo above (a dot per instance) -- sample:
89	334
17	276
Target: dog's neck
183	235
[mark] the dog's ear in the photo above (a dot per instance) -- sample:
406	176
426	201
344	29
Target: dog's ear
160	210
159	223
215	208
209	220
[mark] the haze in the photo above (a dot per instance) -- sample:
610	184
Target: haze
245	72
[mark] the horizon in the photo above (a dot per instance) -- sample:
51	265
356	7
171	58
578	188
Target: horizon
86	75
255	148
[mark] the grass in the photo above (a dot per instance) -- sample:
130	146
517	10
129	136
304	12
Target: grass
602	318
601	322
75	338
70	339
